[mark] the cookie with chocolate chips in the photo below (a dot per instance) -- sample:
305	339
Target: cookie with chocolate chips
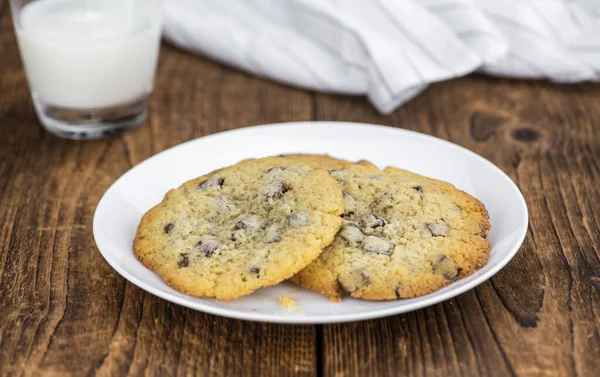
240	228
403	235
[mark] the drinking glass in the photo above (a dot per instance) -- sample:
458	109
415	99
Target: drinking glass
90	64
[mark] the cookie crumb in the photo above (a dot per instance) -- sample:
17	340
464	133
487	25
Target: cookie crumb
335	299
287	302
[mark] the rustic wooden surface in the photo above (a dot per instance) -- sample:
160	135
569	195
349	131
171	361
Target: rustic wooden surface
64	311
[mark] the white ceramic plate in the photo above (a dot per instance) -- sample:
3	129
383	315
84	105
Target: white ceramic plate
122	206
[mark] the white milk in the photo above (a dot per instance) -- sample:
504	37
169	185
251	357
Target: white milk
83	54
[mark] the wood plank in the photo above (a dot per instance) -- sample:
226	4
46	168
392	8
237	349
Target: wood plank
539	316
3	7
64	310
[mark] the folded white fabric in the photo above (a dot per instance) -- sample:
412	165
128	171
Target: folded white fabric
390	50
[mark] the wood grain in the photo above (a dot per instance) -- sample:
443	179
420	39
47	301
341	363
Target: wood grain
539	316
65	312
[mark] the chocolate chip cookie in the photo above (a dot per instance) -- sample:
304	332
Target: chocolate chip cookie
403	235
240	228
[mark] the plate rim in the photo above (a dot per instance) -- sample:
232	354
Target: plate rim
425	301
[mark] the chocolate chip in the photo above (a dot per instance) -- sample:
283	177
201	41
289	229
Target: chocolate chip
251	223
222	204
398	291
298	220
168	228
183	260
351	234
343	287
384	203
393	230
212	182
273	233
275	169
445	267
208	246
483	233
364	278
254	270
377	245
274	189
419	188
339	175
439	229
349	204
247	225
354	280
456	210
372	221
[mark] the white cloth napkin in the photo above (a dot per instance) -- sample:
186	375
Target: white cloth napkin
390	50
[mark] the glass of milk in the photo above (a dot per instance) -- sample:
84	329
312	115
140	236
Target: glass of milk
90	63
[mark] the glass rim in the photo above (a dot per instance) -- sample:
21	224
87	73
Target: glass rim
155	16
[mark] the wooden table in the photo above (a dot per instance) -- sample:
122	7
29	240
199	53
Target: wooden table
64	311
